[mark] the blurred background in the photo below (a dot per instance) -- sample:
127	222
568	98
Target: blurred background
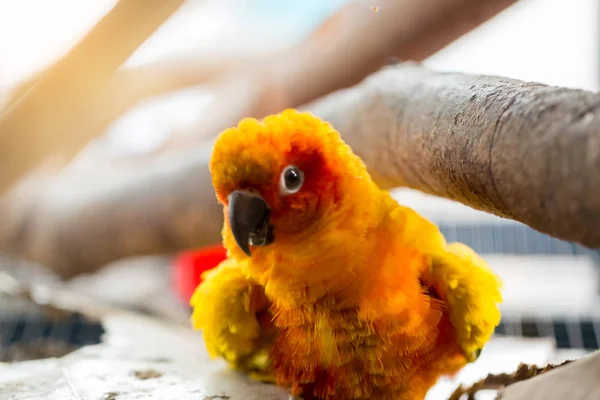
545	41
552	287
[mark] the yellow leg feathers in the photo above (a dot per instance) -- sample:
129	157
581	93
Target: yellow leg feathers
228	308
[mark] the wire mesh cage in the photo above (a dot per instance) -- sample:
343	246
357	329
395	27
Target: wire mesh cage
30	329
511	238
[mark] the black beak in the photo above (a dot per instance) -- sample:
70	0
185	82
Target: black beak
249	220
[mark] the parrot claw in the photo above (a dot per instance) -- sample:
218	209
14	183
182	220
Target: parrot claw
474	355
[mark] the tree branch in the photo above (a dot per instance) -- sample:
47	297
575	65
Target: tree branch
87	217
524	151
356	41
520	150
348	46
39	122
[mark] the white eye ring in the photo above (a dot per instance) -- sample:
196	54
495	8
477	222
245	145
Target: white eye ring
291	180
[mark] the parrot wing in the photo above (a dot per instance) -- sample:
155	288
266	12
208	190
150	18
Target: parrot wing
471	292
469	289
232	313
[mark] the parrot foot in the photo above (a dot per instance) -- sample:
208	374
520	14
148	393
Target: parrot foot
474	355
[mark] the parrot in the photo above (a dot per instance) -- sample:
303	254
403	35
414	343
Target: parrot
329	287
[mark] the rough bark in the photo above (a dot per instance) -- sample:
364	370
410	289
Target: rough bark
524	151
39	122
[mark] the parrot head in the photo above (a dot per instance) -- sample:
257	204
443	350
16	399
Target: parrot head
282	180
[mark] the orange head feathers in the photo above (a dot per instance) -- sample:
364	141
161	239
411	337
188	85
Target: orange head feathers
280	177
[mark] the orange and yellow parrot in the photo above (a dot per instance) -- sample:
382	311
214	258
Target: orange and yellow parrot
331	288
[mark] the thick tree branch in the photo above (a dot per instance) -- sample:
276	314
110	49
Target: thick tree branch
87	217
524	151
521	150
40	121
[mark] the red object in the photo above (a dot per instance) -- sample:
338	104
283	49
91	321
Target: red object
189	265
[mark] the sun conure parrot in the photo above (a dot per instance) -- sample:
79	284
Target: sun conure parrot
331	288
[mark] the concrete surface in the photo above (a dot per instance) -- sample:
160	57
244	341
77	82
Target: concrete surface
144	358
141	358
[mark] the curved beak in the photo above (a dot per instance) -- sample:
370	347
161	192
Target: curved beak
249	220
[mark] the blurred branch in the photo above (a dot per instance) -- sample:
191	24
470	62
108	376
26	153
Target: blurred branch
357	41
41	120
348	46
165	203
129	86
86	217
524	151
351	44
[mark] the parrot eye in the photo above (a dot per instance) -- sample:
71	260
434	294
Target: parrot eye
291	180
